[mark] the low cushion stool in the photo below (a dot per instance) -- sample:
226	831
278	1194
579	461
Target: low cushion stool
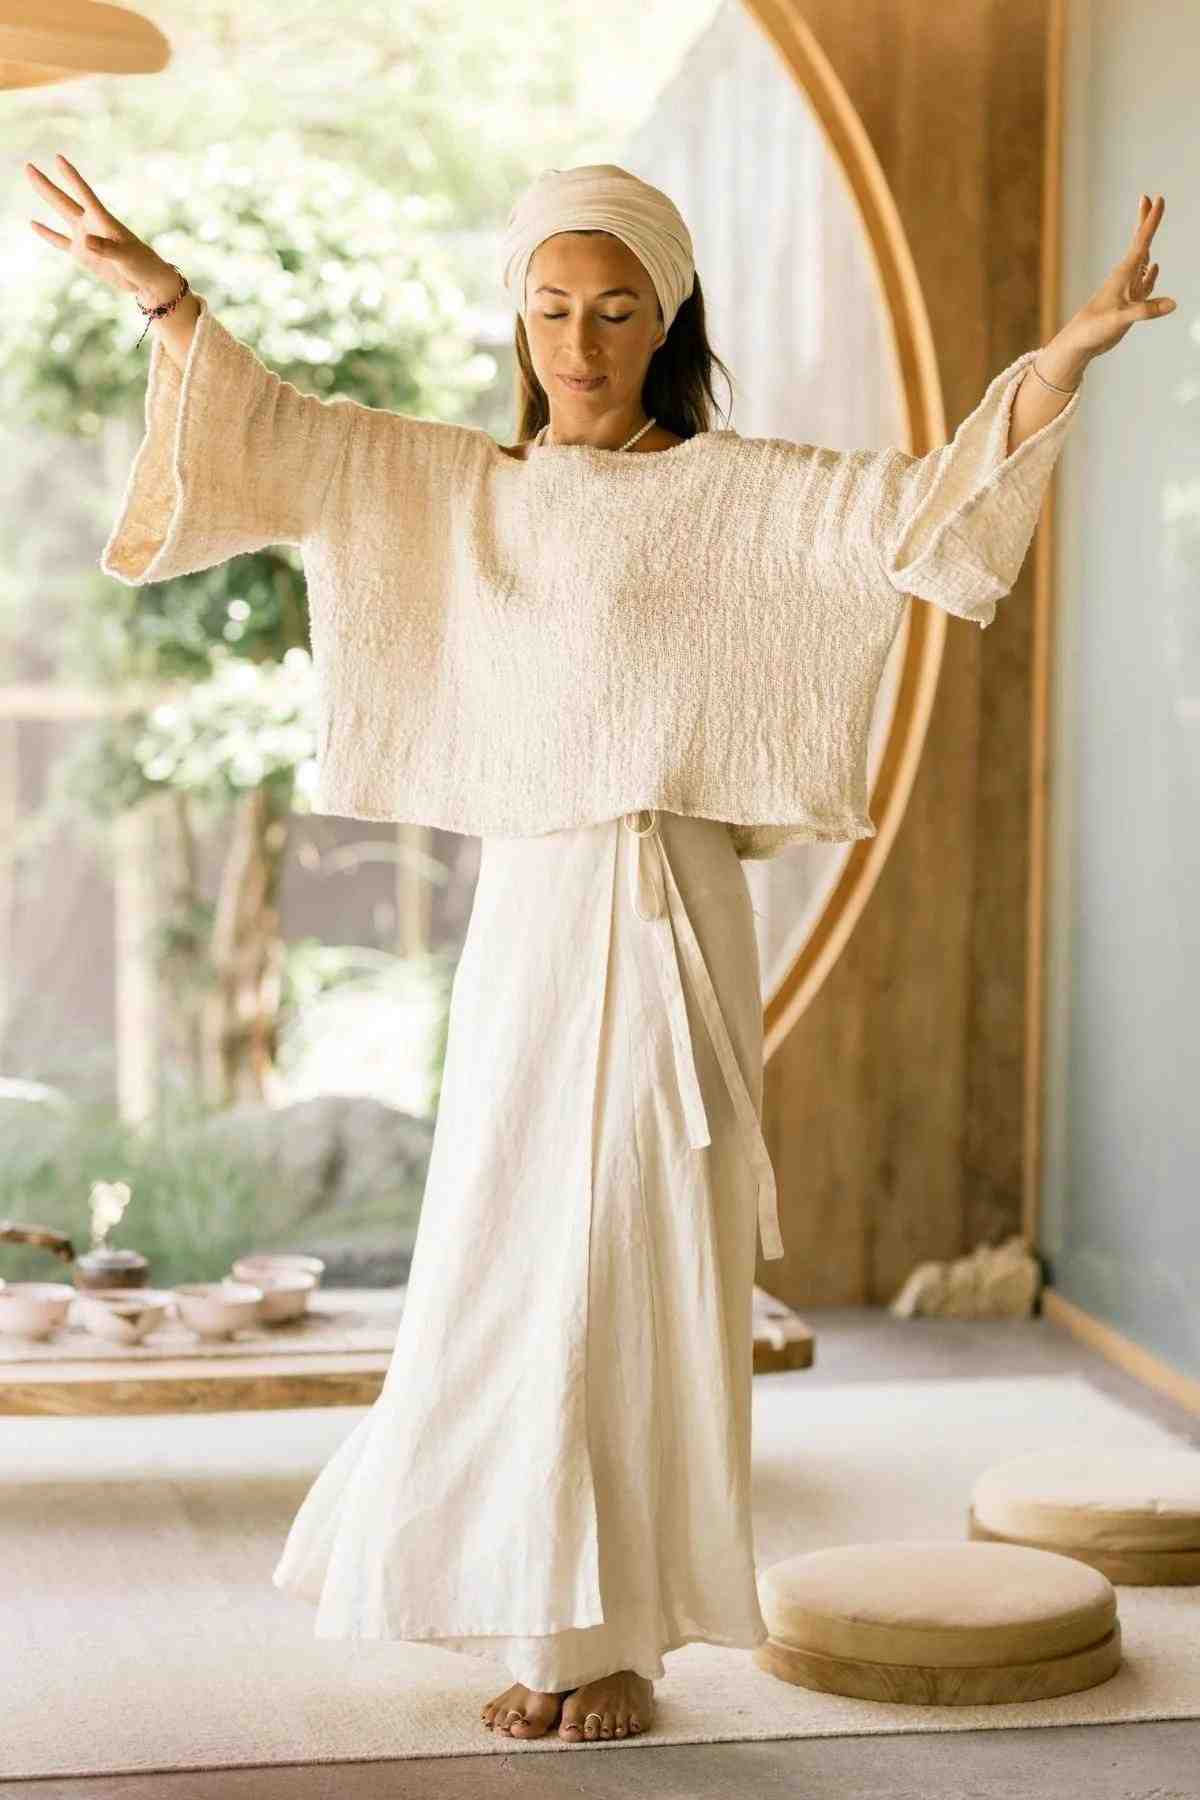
1132	1514
939	1623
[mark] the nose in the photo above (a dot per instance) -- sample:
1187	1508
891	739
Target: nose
580	342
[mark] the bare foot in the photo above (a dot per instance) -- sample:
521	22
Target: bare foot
624	1701
523	1712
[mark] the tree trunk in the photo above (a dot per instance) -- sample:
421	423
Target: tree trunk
185	953
242	1013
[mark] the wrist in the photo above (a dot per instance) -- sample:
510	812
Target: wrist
1063	360
161	285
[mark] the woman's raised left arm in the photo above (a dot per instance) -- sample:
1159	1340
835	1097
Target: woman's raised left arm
1121	300
953	526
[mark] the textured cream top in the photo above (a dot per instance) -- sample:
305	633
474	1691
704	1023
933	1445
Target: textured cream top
508	646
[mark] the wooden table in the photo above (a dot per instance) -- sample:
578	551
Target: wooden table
337	1354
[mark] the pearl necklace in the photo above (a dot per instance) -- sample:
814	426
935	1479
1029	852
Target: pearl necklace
541	439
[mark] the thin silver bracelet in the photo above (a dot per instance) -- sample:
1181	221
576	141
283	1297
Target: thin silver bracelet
1050	384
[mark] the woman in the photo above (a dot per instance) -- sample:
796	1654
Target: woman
627	651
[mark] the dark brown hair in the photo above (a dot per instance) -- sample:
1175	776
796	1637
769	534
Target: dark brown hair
677	391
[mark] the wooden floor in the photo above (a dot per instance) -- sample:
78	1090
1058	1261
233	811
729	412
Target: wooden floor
1153	1761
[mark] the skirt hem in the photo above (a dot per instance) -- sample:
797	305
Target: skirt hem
592	1672
314	1596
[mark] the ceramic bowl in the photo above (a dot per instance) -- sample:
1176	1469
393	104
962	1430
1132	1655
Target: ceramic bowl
285	1294
276	1262
123	1315
34	1309
216	1309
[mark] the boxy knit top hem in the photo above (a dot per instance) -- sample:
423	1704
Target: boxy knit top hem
513	646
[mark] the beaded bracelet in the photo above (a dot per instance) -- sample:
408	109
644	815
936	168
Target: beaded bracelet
156	312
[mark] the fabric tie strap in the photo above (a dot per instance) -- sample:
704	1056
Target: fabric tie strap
656	898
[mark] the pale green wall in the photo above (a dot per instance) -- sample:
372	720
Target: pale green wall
1121	1196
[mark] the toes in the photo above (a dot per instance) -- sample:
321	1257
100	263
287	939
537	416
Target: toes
496	1710
612	1715
540	1714
573	1710
575	1726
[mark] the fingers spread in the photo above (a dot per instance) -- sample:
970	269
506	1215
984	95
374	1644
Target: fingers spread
83	187
1149	222
55	237
63	203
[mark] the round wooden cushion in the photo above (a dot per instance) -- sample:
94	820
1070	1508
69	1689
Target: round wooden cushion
939	1623
1133	1515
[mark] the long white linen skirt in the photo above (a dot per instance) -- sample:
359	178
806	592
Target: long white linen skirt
556	1472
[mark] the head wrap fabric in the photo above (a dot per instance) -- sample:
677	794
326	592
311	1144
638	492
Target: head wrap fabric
602	197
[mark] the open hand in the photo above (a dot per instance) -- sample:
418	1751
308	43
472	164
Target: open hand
1124	297
98	241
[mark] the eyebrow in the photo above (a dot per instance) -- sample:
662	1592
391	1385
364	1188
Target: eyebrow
632	292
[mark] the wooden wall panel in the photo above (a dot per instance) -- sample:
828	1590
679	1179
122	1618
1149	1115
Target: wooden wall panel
895	1107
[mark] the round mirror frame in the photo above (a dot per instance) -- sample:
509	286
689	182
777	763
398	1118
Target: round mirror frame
923	632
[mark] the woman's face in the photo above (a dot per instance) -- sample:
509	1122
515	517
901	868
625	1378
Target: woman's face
591	310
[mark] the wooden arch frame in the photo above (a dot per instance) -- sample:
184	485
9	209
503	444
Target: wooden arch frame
924	628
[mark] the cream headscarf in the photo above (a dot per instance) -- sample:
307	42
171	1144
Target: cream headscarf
603	197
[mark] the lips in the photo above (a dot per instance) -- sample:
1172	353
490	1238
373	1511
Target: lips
581	383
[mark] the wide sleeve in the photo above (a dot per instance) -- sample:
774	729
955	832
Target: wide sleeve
233	458
953	527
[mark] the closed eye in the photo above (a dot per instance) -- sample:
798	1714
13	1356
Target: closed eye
607	317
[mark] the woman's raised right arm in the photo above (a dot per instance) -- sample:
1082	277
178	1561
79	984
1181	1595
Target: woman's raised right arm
234	458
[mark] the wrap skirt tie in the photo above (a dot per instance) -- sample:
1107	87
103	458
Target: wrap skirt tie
657	900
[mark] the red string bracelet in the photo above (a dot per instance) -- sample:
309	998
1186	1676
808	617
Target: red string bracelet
156	312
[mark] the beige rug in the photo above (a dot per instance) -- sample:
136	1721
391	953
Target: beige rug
141	1632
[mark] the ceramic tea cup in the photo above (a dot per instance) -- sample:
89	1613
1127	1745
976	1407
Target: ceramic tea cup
216	1309
285	1293
34	1309
275	1262
122	1315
